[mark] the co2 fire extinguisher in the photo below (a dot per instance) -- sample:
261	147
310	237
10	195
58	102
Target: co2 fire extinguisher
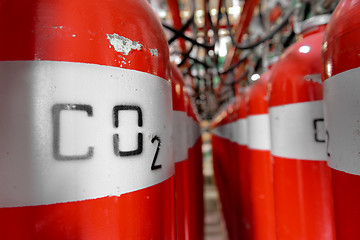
225	164
302	188
341	66
242	173
261	164
188	164
85	121
196	179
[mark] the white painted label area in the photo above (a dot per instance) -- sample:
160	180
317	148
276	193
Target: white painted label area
186	132
193	132
235	131
297	131
180	136
342	115
76	131
259	132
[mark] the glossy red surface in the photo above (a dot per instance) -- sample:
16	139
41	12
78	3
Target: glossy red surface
262	192
303	200
196	180
189	200
196	200
224	180
75	31
245	217
243	175
341	53
188	173
287	84
178	94
225	172
346	204
261	168
341	45
144	214
258	102
231	170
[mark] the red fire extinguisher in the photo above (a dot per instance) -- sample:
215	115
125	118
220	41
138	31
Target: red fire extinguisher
180	154
238	174
225	168
194	143
261	164
231	167
341	64
240	132
85	121
302	188
188	164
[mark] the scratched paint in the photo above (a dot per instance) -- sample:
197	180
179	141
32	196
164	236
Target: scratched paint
154	52
316	78
122	44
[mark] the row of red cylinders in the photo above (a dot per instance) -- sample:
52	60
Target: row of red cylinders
188	167
279	173
89	121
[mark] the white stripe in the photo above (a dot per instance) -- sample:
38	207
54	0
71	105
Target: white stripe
342	112
235	131
240	132
297	131
185	133
194	132
223	131
180	136
29	92
259	132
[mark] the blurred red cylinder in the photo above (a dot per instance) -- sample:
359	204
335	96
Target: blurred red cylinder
196	177
340	71
303	198
231	167
240	143
261	165
224	166
188	164
84	80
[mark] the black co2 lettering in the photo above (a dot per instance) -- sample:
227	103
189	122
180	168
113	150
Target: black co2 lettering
153	165
116	139
56	110
327	143
318	129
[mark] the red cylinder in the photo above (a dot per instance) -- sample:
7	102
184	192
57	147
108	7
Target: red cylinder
225	169
188	164
231	167
86	103
242	173
261	164
196	179
341	64
301	176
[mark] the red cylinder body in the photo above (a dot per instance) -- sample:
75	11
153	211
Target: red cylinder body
231	168
196	179
188	165
240	132
341	64
261	165
222	162
225	134
85	79
301	177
